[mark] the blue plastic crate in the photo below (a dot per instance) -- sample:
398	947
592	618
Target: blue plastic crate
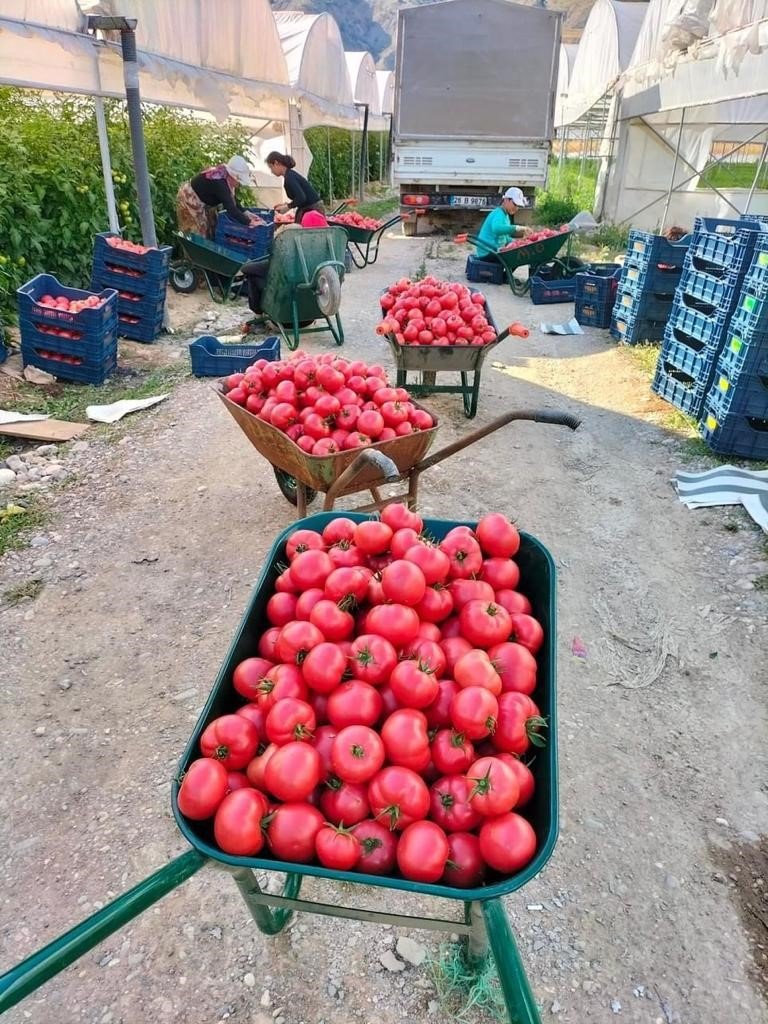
213	358
756	278
147	327
146	284
725	243
644	304
481	271
591	313
746	394
645	248
251	242
3	347
694	327
714	292
661	279
679	388
744	352
87	372
90	347
690	356
546	291
743	434
761	217
89	324
598	283
630	328
156	261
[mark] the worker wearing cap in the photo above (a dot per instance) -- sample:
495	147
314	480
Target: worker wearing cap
498	227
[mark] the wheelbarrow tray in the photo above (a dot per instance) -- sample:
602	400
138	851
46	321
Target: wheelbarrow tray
537	583
533	255
206	255
295	256
320	471
459	358
362	236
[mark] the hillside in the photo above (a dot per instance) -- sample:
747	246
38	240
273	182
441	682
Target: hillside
371	24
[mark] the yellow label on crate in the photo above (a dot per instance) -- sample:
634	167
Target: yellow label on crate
723	384
621	327
711	423
639	246
633	274
626	300
749	303
736	344
762	259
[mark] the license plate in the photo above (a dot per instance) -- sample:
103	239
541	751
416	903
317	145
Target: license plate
468	201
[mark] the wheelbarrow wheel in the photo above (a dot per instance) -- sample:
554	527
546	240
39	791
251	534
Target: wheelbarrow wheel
183	279
288	489
328	291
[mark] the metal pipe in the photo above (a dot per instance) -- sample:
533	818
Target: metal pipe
106	165
756	178
363	151
674	170
141	170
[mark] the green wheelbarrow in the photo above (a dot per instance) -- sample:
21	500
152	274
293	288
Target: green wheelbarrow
220	267
534	255
363	243
483	924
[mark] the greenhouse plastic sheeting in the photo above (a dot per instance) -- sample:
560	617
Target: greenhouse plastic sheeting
362	75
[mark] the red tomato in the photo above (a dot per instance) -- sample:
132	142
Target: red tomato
254	714
464	868
413	687
452	752
257	767
292	830
311	569
484	624
280	682
203	788
405	737
347	585
281	608
344	803
248	675
303	540
403	582
433	562
524	776
378	847
402	541
431	631
372	537
237	825
398	797
516	667
339	529
354	703
293	771
439	711
464	591
450	806
422	852
231	739
519	724
322	741
337	848
474	711
497	536
527	631
324	667
454	648
475	668
373	659
429	655
332	622
507	843
436	605
307	601
494	787
501	573
513	601
296	640
357	754
465	556
290	719
398	623
237	780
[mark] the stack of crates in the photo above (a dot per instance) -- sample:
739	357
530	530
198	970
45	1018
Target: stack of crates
718	258
734	420
646	288
596	294
79	346
250	243
140	280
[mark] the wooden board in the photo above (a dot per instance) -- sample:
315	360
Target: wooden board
44	430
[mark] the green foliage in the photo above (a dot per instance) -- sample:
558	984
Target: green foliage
338	145
52	198
733	175
570	191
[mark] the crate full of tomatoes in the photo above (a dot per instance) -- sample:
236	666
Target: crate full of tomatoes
436	314
384	709
140	275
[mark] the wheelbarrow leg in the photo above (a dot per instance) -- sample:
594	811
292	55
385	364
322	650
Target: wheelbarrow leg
268	921
491	934
470	395
301	500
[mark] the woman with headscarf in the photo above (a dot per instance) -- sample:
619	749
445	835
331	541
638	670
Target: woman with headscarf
302	196
198	200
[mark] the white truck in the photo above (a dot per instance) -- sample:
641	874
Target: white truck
475	84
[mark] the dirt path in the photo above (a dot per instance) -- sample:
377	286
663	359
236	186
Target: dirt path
148	562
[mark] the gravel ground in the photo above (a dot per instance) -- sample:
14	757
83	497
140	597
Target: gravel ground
155	538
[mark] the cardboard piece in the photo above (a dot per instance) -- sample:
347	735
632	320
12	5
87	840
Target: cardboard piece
44	430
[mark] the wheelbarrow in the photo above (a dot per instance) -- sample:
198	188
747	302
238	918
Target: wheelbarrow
533	256
484	925
221	268
363	243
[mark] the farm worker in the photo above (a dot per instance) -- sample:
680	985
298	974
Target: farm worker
498	227
301	194
198	200
255	271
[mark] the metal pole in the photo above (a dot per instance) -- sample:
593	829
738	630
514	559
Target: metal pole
352	138
106	165
141	170
756	178
363	152
674	170
330	173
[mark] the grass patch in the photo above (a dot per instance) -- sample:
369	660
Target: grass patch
69	401
26	591
644	357
6	449
18	520
382	208
761	583
733	175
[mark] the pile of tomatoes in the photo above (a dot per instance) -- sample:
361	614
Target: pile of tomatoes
289	217
123	243
326	404
436	313
535	236
388	707
71	305
356	220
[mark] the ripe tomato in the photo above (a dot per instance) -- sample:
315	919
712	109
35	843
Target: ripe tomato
230	739
430	631
256	768
405	737
398	516
412	685
357	753
507	843
237	825
291	831
337	848
422	852
372	659
436	605
474	711
281	608
516	667
324	667
494	787
248	675
203	788
290	719
439	711
475	668
303	540
297	639
307	601
311	569
519	724
429	654
372	537
378	848
354	703
322	741
513	601
497	536
464	591
454	648
433	562
332	622
402	541
403	582
452	752
347	585
254	714
339	529
293	771
464	868
464	554
501	573
527	631
344	803
237	780
450	806
398	623
280	682
524	776
398	797
485	625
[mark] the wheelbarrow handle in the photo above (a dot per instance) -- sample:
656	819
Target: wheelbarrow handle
562	419
49	961
367	457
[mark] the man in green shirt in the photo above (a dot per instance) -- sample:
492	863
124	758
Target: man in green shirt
498	228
